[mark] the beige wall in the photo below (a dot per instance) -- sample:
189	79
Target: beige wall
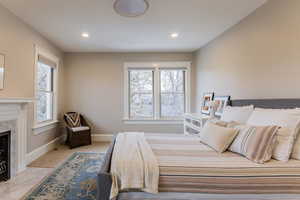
94	87
258	58
17	42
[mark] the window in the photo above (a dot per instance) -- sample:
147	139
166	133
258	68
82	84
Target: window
141	93
172	93
45	92
156	91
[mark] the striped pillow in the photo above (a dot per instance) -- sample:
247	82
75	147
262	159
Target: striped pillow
73	119
255	142
288	119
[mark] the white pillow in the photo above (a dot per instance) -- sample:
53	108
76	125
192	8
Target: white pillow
296	149
287	119
283	145
279	117
237	114
217	137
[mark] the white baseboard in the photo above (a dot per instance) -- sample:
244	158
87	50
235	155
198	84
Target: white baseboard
35	154
102	137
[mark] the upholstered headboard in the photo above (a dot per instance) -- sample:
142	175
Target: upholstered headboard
268	103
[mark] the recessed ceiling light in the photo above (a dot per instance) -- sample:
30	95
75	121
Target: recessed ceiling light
85	35
174	35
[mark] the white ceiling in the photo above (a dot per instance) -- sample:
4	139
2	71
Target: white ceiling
196	21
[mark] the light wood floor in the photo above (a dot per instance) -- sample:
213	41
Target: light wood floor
20	185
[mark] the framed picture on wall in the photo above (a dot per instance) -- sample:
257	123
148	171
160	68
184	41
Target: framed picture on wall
207	97
222	102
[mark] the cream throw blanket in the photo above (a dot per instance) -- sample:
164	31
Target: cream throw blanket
134	165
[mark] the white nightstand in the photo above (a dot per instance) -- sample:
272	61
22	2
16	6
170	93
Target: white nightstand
194	122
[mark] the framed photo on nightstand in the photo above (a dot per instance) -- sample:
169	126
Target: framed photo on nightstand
222	102
207	97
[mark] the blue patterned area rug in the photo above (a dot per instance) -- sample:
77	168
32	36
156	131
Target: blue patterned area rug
75	179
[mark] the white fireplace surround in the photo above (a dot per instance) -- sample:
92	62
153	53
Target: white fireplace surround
17	110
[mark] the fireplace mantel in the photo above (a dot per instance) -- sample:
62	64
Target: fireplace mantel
17	109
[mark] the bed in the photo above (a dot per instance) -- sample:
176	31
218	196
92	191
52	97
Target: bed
187	166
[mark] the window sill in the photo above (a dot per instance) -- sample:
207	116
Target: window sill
43	127
153	121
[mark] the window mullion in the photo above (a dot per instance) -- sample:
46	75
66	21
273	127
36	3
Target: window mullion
128	93
156	94
50	108
187	91
184	92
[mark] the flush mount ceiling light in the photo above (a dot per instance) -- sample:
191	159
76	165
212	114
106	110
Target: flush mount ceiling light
174	35
131	8
85	35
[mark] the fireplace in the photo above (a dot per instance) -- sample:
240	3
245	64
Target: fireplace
13	118
5	143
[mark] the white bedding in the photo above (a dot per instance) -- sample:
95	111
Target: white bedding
134	165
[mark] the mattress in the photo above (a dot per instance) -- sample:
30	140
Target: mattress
186	165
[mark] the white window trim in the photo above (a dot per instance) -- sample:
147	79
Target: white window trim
153	121
39	128
156	66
